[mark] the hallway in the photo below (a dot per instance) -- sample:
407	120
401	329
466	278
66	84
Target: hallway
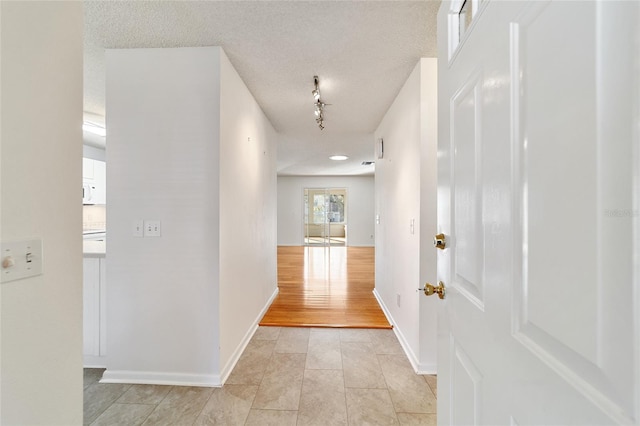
326	287
286	376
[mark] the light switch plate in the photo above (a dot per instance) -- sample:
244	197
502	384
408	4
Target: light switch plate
138	228
20	259
152	228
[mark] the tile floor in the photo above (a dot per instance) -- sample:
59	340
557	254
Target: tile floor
286	376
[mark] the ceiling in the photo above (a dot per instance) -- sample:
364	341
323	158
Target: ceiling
362	51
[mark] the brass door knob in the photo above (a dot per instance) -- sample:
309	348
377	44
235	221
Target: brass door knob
439	241
430	290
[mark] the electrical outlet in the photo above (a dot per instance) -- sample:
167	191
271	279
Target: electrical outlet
398	299
151	228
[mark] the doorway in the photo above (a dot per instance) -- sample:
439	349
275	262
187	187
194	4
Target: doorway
325	217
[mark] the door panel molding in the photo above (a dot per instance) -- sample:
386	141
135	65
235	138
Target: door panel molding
464	372
586	359
467	261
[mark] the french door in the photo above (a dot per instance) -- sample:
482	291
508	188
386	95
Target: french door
325	220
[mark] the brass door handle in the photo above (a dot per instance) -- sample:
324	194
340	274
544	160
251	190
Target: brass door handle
439	241
430	290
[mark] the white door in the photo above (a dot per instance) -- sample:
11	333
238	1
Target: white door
539	198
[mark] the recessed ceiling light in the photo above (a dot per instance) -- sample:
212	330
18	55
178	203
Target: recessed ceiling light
338	157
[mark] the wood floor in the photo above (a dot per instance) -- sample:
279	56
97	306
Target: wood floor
326	287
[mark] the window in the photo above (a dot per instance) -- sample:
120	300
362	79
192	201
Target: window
318	208
336	208
461	17
464	18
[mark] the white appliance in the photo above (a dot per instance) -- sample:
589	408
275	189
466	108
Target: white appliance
88	193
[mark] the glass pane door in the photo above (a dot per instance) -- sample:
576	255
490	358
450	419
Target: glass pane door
324	216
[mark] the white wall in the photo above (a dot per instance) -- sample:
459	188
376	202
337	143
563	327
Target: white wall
427	361
162	293
41	163
405	193
180	307
360	207
248	276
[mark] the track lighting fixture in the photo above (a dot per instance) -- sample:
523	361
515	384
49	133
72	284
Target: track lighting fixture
319	105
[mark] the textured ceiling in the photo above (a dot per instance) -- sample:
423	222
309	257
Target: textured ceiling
363	51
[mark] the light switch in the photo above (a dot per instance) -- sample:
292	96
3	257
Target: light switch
138	228
151	228
21	259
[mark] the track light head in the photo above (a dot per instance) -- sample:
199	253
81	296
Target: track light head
319	105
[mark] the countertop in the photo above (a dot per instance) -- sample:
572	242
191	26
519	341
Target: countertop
94	248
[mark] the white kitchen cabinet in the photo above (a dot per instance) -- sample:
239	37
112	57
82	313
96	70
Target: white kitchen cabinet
87	169
94	172
94	311
100	180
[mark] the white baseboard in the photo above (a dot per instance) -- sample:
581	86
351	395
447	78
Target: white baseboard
158	378
228	368
427	369
91	361
418	367
385	311
179	379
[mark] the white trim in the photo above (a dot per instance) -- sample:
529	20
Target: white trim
635	86
418	367
430	369
592	392
228	368
474	374
384	308
92	361
159	378
474	292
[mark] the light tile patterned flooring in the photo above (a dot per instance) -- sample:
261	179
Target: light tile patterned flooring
286	376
